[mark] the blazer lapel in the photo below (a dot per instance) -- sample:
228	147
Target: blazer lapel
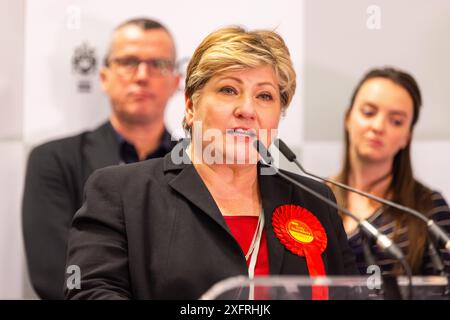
189	184
274	193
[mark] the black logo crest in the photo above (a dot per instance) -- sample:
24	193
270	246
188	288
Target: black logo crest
84	61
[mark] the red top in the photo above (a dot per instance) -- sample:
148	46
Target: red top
243	228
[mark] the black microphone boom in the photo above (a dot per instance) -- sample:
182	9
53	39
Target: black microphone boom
433	228
382	240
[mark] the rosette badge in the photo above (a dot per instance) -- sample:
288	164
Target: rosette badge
299	230
302	234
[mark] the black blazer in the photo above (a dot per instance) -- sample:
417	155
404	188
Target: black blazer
55	178
152	230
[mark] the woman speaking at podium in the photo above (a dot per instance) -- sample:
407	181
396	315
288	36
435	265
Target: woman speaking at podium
170	228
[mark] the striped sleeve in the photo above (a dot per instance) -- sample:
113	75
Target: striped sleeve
441	215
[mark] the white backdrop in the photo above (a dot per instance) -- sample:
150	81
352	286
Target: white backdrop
12	155
54	107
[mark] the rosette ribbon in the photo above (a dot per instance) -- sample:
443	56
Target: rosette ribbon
303	234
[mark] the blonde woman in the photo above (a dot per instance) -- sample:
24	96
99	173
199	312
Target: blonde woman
170	229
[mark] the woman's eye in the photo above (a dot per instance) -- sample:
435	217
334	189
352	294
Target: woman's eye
397	122
265	96
228	90
368	112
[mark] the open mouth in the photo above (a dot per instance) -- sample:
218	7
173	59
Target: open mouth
239	132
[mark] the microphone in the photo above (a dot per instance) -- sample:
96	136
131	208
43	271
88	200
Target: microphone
382	240
433	228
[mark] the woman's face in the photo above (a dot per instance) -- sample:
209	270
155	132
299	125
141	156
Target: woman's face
234	107
379	122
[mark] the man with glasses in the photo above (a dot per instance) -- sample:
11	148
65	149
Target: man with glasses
139	76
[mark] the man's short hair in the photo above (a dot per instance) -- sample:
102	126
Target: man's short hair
142	23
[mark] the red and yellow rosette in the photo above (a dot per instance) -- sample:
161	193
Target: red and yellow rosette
303	234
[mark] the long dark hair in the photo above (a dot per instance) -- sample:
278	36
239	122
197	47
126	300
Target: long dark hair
403	189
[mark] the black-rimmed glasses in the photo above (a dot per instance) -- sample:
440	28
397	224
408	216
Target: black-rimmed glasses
127	66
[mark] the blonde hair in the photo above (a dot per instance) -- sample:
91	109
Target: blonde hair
234	48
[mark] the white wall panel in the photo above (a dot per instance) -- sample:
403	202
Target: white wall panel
430	160
54	107
340	48
11	245
11	68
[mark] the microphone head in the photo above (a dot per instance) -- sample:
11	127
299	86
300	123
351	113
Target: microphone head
285	150
263	152
383	242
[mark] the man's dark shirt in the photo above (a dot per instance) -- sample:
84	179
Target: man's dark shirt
128	152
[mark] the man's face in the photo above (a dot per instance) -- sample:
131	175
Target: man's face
141	76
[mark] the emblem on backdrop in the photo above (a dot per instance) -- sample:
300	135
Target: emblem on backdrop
84	65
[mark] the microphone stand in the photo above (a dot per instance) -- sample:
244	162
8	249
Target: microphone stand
433	228
382	240
368	256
